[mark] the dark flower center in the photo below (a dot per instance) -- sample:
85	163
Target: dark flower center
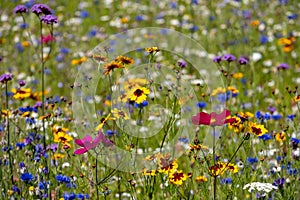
138	92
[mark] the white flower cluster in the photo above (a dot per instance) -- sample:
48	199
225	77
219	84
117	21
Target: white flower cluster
261	187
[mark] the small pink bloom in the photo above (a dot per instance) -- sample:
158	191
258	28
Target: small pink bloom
47	38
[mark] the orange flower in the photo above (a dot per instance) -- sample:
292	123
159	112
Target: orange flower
111	66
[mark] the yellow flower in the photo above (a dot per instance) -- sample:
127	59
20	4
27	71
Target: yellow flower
232	168
232	89
177	177
5	113
217	91
217	169
111	66
254	22
102	122
31	188
147	172
22	93
201	179
117	114
257	129
125	60
138	94
10	192
78	61
63	138
152	50
99	58
197	147
236	125
238	75
280	137
124	20
57	156
296	98
25	44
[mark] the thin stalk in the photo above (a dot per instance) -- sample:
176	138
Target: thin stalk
8	136
214	161
96	174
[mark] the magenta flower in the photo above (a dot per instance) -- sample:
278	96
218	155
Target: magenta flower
87	143
212	119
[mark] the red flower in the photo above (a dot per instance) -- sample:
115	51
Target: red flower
88	143
212	119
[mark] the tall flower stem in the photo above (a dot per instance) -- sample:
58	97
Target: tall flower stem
96	174
214	161
8	136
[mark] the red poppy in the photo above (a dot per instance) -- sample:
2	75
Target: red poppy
212	119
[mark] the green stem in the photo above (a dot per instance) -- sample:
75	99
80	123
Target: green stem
214	161
8	136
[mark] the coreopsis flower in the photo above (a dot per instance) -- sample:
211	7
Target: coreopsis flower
22	93
152	50
296	98
119	114
78	61
218	169
111	66
177	177
125	60
102	122
57	156
257	129
200	179
212	119
236	125
232	168
167	166
138	94
280	137
147	172
63	138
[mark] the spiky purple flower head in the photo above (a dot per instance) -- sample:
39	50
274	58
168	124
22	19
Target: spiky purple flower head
20	9
243	61
217	59
41	9
4	78
229	57
49	19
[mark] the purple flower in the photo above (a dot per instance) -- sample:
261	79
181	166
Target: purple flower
22	83
217	59
229	57
283	66
20	9
41	9
279	182
4	78
181	63
243	61
38	104
49	19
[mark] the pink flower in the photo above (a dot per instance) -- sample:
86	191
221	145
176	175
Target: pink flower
212	119
48	38
87	143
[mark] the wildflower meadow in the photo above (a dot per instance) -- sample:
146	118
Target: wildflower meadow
131	99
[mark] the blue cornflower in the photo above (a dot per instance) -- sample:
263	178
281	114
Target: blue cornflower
252	160
141	105
226	181
264	39
276	116
26	177
292	16
201	104
267	116
266	137
16	189
295	141
139	18
291	117
84	14
258	115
